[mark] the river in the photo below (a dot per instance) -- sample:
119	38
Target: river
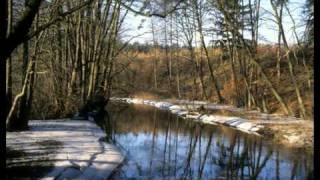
160	145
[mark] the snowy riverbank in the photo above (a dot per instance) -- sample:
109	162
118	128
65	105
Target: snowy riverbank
61	149
282	129
188	110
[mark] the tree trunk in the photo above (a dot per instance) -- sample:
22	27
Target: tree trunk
9	60
155	56
168	60
213	78
279	44
3	57
289	62
13	123
254	61
21	122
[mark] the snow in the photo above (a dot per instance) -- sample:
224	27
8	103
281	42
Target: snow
182	109
163	105
137	101
175	111
182	113
175	107
74	147
193	116
246	126
208	119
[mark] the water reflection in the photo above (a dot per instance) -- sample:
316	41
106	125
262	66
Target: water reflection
161	145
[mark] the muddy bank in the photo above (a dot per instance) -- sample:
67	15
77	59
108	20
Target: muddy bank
285	130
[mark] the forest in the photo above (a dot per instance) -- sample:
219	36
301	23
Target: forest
58	56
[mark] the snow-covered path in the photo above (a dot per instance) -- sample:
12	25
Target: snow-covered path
71	148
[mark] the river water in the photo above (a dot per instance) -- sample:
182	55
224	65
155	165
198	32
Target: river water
160	145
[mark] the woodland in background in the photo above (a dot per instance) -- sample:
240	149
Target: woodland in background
73	50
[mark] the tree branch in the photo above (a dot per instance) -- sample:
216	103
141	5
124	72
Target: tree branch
21	33
55	20
152	14
22	27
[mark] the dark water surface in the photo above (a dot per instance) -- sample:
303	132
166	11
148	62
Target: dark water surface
159	145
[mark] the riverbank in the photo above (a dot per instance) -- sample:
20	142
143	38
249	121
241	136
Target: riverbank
61	149
284	130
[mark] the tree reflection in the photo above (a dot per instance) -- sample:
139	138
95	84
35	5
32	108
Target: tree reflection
103	120
205	156
195	131
153	138
175	148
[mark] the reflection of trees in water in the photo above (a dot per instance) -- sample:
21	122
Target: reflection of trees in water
192	145
153	138
205	156
244	160
176	146
240	158
103	120
106	122
195	151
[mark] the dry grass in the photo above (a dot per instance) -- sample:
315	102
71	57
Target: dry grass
298	135
142	81
145	95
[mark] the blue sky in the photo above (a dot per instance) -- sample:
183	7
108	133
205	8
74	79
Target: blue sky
267	30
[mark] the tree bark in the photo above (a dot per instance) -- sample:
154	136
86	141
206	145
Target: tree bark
213	78
289	61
